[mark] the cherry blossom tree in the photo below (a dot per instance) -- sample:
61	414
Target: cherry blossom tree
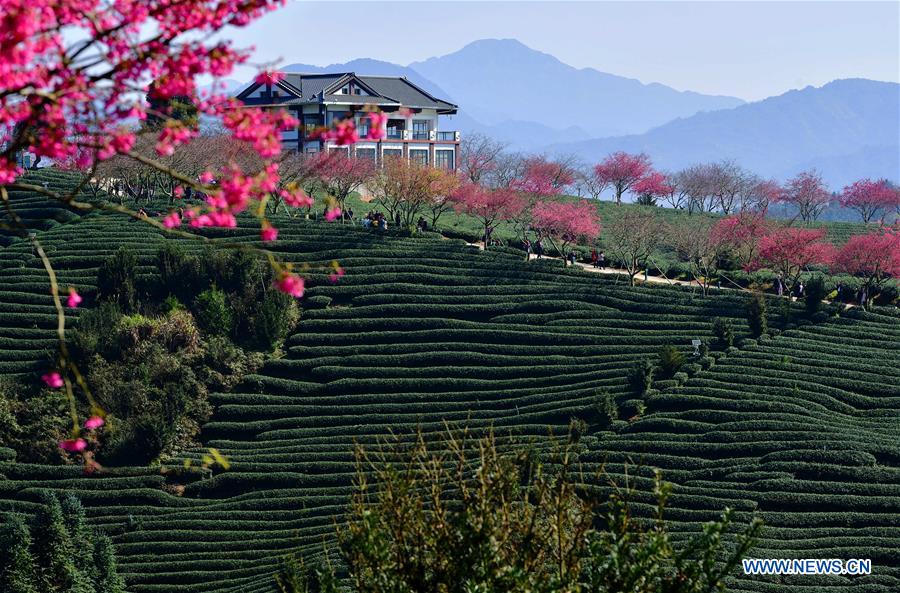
479	155
739	234
874	256
695	183
632	237
790	251
544	177
74	79
565	223
871	197
622	170
488	206
340	174
651	187
808	193
701	247
588	182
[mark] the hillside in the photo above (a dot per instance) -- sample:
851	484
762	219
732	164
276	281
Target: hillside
799	428
847	128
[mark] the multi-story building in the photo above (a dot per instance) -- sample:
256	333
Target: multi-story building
412	129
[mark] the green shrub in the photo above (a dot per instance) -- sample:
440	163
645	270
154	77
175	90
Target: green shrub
510	523
213	312
273	321
117	280
723	329
670	360
640	377
757	318
815	293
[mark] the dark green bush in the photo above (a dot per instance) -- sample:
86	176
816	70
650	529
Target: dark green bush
213	312
815	293
757	317
640	377
670	360
723	329
117	280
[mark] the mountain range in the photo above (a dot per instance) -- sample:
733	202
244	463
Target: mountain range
847	129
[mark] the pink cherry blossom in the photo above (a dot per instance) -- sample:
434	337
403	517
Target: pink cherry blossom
332	214
74	299
290	284
53	380
206	177
267	77
296	197
172	220
268	233
73	445
93	422
377	122
338	272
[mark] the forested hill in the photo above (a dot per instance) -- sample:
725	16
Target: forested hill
799	427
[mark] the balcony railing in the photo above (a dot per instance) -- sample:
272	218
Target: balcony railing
447	136
421	135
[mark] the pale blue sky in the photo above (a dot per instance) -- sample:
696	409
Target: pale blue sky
751	50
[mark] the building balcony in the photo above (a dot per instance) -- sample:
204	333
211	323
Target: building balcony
423	135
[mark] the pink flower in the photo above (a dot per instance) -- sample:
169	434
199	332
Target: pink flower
178	193
73	445
53	380
377	121
296	197
267	77
206	177
268	232
93	422
172	220
74	299
337	274
290	284
343	133
332	214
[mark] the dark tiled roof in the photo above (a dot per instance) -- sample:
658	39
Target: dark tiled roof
388	90
404	92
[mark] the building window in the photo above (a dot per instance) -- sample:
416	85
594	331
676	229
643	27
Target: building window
395	128
365	153
274	94
419	156
392	153
443	159
343	149
335	116
421	129
345	90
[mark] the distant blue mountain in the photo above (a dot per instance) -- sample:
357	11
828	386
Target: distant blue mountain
497	80
847	129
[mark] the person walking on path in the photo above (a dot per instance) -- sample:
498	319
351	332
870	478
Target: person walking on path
539	247
572	257
602	260
594	257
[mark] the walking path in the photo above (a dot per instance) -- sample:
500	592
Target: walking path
648	278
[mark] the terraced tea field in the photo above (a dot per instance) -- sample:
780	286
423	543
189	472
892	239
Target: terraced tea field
801	429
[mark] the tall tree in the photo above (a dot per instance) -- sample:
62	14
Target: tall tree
650	188
870	198
544	177
632	237
17	569
566	223
622	170
405	188
340	174
874	256
488	206
808	193
697	244
478	156
790	251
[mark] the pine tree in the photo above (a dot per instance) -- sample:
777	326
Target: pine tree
107	578
79	534
17	571
54	551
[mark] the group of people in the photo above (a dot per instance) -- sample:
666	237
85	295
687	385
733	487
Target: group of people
375	220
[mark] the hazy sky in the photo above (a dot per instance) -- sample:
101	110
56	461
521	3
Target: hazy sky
746	49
